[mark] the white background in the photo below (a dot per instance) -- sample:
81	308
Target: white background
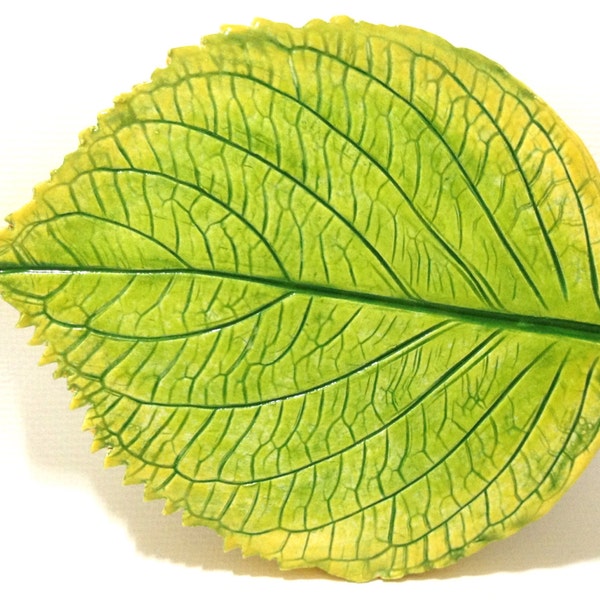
68	528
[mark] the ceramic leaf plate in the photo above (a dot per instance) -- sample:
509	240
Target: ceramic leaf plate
331	291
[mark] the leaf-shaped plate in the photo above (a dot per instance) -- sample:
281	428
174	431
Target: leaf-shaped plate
331	291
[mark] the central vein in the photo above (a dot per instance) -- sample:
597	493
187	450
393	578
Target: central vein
544	325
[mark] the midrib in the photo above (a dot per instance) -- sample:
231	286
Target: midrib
542	325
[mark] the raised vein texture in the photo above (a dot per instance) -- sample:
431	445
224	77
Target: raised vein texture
332	291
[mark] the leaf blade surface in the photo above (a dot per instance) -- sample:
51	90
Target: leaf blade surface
328	305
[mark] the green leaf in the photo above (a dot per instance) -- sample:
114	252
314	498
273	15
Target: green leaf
331	291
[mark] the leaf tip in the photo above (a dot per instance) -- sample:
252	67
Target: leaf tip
25	320
59	372
48	357
37	338
151	494
169	507
115	459
97	445
78	401
229	544
90	422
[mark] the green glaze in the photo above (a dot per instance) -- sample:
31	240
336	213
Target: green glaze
331	291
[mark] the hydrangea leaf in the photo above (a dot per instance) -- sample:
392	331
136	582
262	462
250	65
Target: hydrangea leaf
331	291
